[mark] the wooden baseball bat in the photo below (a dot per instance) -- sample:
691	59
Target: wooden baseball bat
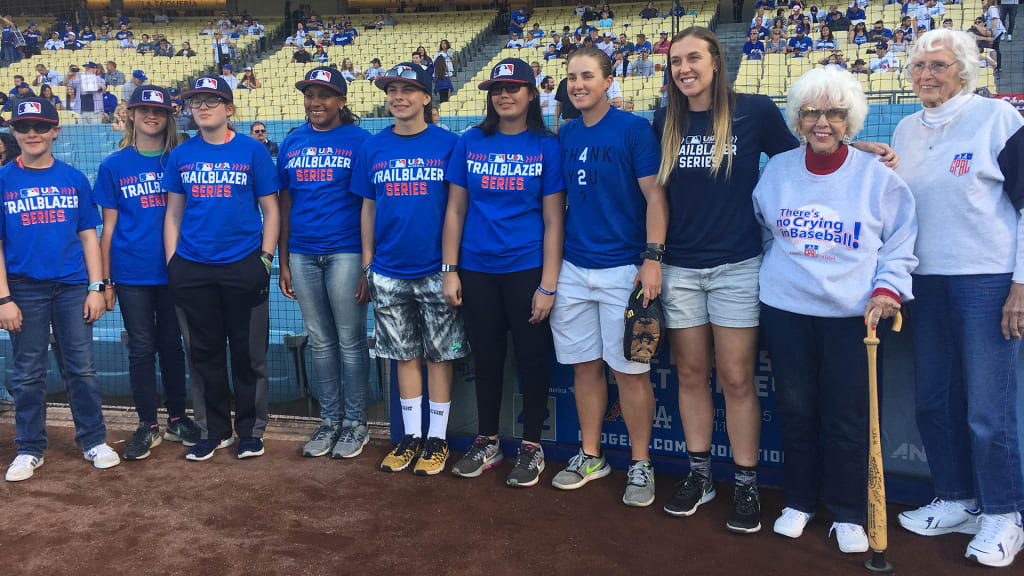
877	529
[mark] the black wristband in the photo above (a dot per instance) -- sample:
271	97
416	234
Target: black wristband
652	255
268	256
656	247
6	300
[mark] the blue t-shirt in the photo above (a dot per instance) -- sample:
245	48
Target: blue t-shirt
44	210
518	18
86	37
316	168
121	34
340	39
856	13
32	37
711	221
753	50
823	44
605	222
129	182
507	177
221	183
805	43
405	176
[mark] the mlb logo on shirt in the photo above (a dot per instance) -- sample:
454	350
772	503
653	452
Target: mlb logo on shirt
397	163
152	96
495	157
961	164
693	139
208	83
309	151
321	75
811	250
503	70
147	177
222	166
29	108
28	192
204	166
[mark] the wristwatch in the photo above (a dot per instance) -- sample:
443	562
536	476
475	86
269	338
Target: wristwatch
97	287
449	268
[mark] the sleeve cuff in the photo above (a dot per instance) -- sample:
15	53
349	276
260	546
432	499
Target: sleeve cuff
887	292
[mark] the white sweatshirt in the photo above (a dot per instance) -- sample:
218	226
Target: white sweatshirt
949	158
831	240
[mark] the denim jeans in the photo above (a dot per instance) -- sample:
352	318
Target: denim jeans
43	303
152	324
967	389
325	285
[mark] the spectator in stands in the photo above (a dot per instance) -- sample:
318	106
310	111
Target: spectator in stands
649	11
859	35
442	80
257	29
838	21
119	119
995	25
968	310
69	30
186	50
834	60
620	67
643	66
825	40
538	74
54	261
18	79
899	42
71	100
517	20
947	24
884	61
21	91
753	48
663	43
580	10
106	34
227	74
87	34
856	15
249	79
138	79
879	33
182	122
145	46
258	130
221	49
907	25
547	96
210	29
110	102
340	39
550	52
859	66
46	93
814	323
514	41
605	21
445	49
614	93
801	40
761	27
761	18
122	33
89	96
321	55
302	56
128	42
33	40
374	70
122	19
796	17
565	110
390	20
164	48
606	45
349	71
775	44
583	29
54	43
46	76
73	43
9	151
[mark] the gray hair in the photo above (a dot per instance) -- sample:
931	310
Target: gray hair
961	44
837	88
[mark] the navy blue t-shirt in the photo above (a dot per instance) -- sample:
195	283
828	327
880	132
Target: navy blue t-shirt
711	221
405	176
605	222
44	210
130	183
316	168
507	177
221	183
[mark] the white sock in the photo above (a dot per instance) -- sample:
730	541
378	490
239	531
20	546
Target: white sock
439	419
412	415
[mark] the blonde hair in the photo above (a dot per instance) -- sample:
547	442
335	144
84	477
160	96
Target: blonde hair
171	136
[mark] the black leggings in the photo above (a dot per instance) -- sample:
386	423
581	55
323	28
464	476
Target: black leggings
493	305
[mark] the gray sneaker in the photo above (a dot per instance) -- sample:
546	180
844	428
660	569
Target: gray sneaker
354	436
529	465
322	440
581	469
481	455
639	485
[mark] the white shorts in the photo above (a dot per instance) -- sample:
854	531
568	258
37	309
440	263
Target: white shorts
588	317
725	295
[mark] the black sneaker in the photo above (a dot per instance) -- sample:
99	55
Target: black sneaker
746	511
690	494
146	436
182	430
529	465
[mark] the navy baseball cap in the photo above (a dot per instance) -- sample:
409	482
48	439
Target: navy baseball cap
800	29
882	45
38	109
91	65
511	70
324	76
209	85
139	75
407	72
149	95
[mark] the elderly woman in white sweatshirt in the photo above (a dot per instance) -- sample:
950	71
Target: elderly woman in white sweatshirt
839	230
962	158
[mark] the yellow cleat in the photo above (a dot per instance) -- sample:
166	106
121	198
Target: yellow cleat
433	458
402	455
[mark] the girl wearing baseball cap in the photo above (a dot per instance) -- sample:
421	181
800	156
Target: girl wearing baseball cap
50	274
135	268
400	173
220	233
503	239
320	258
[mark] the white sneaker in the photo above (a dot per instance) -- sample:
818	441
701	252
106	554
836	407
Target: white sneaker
998	541
102	456
23	467
792	522
851	537
941	517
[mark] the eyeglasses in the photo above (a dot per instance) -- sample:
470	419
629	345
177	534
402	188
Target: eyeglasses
936	67
26	127
507	88
832	114
259	131
198	103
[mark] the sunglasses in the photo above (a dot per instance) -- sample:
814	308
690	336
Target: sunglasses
832	114
403	72
507	88
259	131
26	127
198	103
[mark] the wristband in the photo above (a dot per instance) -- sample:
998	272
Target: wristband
449	268
656	247
97	287
366	269
265	262
267	256
6	300
108	282
546	292
652	255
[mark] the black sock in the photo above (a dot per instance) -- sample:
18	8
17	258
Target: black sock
492	441
700	464
591	455
745	475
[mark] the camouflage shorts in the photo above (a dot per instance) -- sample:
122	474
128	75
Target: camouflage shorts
413	320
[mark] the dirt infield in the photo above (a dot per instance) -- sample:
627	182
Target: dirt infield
282	514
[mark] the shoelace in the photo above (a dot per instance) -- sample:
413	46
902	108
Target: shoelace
324	431
576	462
528	457
141	432
348	434
942	506
747	499
638	476
690	484
478	451
991	526
433	449
842	528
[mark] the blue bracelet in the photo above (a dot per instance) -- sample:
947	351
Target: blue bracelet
545	292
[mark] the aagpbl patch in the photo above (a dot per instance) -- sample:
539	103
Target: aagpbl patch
961	164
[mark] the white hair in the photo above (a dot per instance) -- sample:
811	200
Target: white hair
837	88
961	44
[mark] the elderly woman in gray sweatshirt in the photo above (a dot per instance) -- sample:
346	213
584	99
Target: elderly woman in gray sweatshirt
839	230
964	157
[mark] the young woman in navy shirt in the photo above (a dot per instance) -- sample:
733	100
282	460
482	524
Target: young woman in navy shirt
50	274
503	237
320	258
220	233
135	268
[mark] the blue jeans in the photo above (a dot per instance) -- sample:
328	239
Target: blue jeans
967	389
152	324
325	285
41	304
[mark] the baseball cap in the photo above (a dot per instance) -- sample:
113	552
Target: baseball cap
32	23
149	95
324	76
91	65
800	29
925	26
227	67
209	85
665	32
34	108
511	70
174	92
23	85
882	45
643	328
407	72
139	75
